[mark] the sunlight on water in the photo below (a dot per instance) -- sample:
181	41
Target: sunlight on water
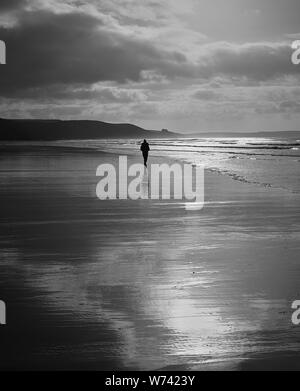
268	162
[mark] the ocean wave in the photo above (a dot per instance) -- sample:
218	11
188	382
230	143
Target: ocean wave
262	165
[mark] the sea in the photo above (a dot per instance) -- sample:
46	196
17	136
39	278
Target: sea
270	162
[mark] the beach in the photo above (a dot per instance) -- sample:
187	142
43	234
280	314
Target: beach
146	284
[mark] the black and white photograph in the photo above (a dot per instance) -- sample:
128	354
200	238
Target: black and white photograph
150	188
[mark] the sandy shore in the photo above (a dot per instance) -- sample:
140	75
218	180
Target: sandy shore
110	285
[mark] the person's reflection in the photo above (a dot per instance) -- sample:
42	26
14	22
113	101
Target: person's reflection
145	186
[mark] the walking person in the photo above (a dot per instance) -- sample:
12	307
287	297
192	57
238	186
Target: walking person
145	150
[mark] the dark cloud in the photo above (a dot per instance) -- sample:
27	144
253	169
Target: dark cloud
46	48
62	93
8	5
289	107
207	95
284	107
53	55
258	61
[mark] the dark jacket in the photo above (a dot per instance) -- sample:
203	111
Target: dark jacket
145	147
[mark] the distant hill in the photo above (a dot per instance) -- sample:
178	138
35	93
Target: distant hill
46	130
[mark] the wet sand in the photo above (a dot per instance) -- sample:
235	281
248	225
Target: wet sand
143	285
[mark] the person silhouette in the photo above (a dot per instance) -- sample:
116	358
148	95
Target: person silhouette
145	150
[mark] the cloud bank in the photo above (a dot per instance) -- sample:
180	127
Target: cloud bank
134	60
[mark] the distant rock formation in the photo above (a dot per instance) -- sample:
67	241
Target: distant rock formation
37	129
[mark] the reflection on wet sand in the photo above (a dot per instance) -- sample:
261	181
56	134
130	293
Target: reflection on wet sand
142	284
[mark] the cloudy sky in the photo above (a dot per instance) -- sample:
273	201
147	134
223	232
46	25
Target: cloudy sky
183	65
